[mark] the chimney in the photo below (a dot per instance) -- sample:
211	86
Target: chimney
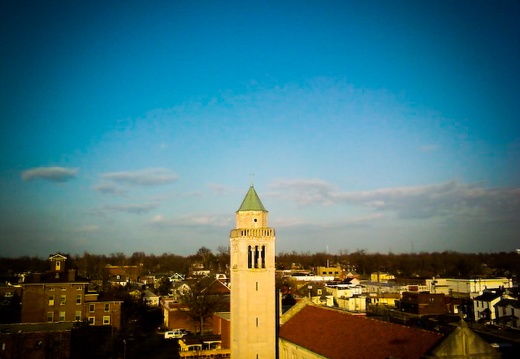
72	275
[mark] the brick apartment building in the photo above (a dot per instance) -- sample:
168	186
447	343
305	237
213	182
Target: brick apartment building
60	295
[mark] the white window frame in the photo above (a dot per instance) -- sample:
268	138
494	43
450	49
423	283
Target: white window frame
106	320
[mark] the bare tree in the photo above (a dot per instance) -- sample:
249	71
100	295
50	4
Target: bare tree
201	303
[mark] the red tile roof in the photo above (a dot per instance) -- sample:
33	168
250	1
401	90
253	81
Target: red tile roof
335	334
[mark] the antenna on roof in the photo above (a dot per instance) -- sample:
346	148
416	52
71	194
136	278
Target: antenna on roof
252	176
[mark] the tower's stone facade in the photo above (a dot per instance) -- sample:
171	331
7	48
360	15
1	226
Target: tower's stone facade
253	317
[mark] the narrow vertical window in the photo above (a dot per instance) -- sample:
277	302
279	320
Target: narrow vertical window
257	286
256	256
263	256
257	321
249	257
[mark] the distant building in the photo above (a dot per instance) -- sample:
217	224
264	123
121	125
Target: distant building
336	272
59	295
381	277
423	303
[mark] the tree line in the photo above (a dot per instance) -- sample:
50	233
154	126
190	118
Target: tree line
423	264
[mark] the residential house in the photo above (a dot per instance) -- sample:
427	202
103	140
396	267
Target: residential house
102	309
309	331
507	312
317	292
151	299
483	305
122	275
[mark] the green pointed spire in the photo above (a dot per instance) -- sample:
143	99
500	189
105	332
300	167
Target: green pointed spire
252	202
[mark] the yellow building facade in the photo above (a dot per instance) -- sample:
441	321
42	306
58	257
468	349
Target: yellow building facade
253	315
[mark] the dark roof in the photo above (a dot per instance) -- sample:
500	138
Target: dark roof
515	303
252	202
336	334
488	296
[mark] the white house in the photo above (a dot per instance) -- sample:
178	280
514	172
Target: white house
483	305
507	312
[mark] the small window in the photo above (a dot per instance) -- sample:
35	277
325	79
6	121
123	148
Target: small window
63	300
62	316
79	287
51	300
106	320
77	315
63	288
107	307
91	308
319	292
51	289
92	320
50	316
78	299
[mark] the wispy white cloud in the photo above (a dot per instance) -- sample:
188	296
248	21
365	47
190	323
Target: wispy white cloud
109	188
126	208
451	199
53	174
144	177
192	220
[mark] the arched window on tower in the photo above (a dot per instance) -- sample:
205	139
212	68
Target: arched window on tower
249	257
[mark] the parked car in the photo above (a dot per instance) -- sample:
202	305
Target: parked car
173	334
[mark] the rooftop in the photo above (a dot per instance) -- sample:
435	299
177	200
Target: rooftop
252	202
341	334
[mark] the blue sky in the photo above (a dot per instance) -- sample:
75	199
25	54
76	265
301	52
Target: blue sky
136	126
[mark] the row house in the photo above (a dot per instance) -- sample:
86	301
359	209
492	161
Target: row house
59	295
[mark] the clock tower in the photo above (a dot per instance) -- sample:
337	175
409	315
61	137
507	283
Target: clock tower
253	316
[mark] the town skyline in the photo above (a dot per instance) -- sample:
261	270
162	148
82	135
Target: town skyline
380	127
